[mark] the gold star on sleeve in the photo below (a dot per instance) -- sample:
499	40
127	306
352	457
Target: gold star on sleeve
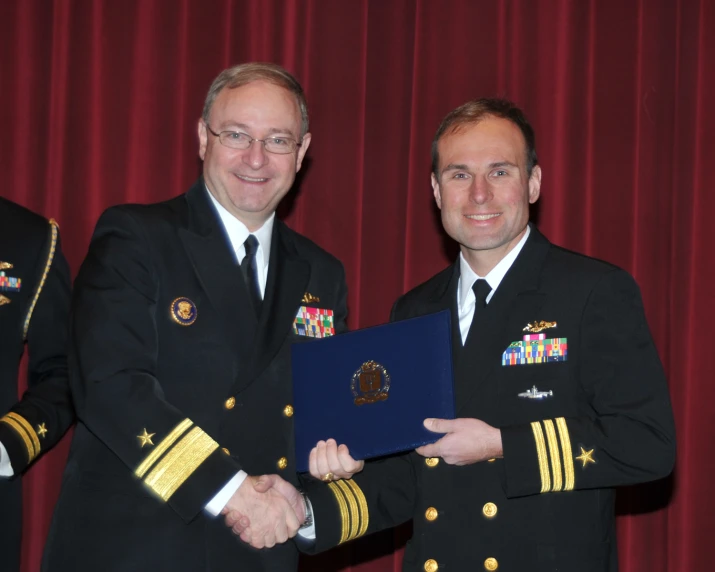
586	457
41	430
145	438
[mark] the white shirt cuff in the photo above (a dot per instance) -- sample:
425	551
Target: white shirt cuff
5	464
217	503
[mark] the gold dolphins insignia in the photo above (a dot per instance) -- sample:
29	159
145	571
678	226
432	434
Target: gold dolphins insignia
536	327
308	298
4	300
5	265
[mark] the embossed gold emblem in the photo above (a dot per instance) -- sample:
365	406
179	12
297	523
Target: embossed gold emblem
183	311
586	457
540	326
370	384
5	265
308	298
145	438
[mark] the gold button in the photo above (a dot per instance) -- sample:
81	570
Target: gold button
282	463
431	514
230	402
226	450
490	460
288	411
491	564
431	566
489	510
432	461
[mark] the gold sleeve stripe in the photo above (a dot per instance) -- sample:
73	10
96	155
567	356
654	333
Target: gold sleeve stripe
555	455
23	435
162	446
352	507
28	429
567	453
343	506
541	453
48	263
364	512
179	463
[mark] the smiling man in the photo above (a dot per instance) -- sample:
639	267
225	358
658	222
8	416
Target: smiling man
184	313
560	395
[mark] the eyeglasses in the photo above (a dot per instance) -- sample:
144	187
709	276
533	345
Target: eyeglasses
240	140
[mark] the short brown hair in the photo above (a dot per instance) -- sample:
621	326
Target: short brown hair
243	74
475	111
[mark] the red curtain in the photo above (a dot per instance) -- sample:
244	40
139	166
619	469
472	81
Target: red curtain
99	103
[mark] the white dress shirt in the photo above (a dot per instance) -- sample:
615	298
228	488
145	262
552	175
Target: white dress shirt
467	277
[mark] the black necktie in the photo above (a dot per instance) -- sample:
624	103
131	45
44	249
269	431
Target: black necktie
481	290
249	268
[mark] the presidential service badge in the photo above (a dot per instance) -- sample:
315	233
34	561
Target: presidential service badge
183	311
370	383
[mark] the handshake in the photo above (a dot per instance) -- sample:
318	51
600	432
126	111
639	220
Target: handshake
268	510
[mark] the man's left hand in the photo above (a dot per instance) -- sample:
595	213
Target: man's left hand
466	441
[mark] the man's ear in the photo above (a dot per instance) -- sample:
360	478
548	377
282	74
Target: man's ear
535	184
203	138
302	150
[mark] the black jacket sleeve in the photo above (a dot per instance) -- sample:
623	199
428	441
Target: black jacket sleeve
41	417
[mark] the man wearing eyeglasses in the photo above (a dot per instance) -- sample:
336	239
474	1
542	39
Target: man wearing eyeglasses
183	320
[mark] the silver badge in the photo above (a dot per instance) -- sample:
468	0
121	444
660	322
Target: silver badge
534	393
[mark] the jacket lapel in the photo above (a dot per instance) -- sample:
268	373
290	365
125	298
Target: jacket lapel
218	272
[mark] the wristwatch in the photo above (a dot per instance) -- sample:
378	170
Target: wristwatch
308	511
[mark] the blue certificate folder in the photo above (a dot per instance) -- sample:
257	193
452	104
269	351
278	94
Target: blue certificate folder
372	388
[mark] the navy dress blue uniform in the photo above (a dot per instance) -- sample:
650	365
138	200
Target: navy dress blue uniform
178	386
34	313
603	419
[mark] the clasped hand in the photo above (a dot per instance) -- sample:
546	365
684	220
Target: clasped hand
265	511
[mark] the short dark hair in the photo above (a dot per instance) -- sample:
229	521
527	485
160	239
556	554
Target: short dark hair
243	74
475	111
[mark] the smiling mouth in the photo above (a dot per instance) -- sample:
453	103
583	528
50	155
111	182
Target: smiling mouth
483	216
252	179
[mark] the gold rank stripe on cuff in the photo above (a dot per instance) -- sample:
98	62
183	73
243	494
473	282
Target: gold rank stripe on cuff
354	514
362	503
162	447
541	454
570	480
180	462
23	428
557	455
554	454
344	515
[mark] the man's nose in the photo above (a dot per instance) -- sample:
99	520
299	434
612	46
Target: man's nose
256	155
480	192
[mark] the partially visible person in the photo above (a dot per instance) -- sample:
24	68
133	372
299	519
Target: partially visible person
560	394
34	317
183	319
